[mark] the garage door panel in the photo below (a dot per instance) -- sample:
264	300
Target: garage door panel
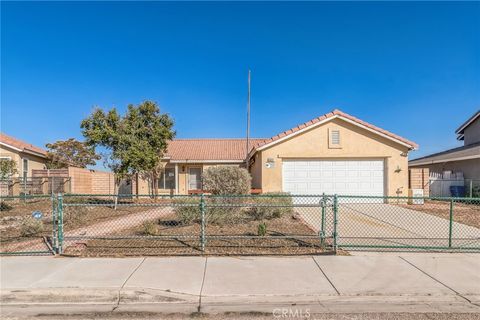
343	177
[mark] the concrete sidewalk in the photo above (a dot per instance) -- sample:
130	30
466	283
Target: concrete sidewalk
361	283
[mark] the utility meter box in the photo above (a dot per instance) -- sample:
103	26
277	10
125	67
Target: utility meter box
417	196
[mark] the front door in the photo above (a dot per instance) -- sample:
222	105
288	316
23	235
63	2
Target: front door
194	178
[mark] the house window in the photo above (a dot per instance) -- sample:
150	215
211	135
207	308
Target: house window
167	179
25	168
335	137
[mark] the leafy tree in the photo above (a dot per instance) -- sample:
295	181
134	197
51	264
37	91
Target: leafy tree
71	152
8	167
136	141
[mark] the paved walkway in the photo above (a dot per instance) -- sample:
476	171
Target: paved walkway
116	224
360	283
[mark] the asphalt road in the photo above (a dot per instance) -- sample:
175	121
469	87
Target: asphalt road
257	316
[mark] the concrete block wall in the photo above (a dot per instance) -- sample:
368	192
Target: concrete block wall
81	180
419	179
103	182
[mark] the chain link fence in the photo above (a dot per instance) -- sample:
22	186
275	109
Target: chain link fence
267	224
27	224
408	223
190	225
20	186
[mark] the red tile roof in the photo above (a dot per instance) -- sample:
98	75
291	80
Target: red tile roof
210	149
234	149
19	144
333	113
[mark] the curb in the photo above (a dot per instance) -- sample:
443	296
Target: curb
67	300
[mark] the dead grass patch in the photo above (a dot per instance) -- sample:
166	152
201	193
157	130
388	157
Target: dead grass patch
284	236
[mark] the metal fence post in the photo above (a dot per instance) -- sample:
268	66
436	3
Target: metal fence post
451	224
202	230
322	229
54	224
24	188
60	223
335	213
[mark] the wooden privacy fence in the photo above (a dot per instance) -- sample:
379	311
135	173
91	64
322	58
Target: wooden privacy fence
34	186
70	180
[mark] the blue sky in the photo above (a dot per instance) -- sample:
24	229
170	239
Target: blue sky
411	68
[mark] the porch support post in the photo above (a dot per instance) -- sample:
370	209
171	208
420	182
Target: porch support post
177	180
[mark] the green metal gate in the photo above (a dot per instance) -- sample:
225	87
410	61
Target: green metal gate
407	223
28	225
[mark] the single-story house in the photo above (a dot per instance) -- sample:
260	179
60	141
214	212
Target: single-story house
333	153
27	156
464	159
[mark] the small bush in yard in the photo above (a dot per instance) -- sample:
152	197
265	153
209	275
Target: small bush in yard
76	216
150	228
476	191
187	210
226	181
5	206
30	226
262	229
272	205
224	215
223	180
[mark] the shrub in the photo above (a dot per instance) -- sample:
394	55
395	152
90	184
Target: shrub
222	180
226	180
30	226
5	206
476	191
76	216
150	228
262	229
224	215
187	210
271	205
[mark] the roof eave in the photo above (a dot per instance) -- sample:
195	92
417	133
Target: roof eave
411	146
205	161
425	161
38	154
467	123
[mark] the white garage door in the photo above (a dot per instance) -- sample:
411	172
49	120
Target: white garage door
342	177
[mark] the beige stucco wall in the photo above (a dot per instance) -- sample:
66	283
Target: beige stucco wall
14	155
34	162
356	143
256	171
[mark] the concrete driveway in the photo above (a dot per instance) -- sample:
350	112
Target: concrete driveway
380	224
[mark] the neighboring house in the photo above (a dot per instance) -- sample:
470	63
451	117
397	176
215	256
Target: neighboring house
334	154
27	156
465	159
